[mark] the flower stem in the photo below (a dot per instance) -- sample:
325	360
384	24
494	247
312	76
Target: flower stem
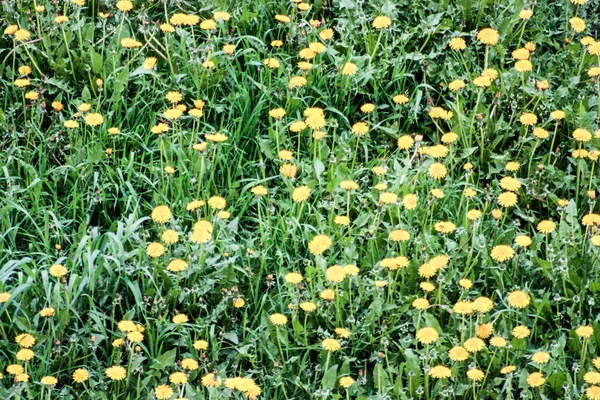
327	362
279	345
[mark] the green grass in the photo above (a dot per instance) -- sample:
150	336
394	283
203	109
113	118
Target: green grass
67	199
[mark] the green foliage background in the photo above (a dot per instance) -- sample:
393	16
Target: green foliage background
59	186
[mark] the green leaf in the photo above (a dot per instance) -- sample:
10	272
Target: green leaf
120	83
165	360
135	290
96	61
571	213
374	310
398	384
348	4
85	94
267	148
362	220
142	71
432	322
232	337
319	168
556	381
380	376
330	378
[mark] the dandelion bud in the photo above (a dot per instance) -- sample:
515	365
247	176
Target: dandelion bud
591	194
200	146
99	82
496	214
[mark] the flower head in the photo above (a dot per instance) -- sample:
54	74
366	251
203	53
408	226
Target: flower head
349	69
440	372
161	214
49	380
546	226
457	44
427	335
346	382
301	194
521	332
585	331
116	373
536	379
475	374
382	22
488	36
80	375
58	270
474	344
458	353
331	344
519	299
180	319
528	119
319	244
335	274
163	392
278	319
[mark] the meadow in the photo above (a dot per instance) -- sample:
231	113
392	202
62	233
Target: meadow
275	199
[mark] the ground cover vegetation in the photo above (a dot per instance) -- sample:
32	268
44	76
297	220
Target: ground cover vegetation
290	200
